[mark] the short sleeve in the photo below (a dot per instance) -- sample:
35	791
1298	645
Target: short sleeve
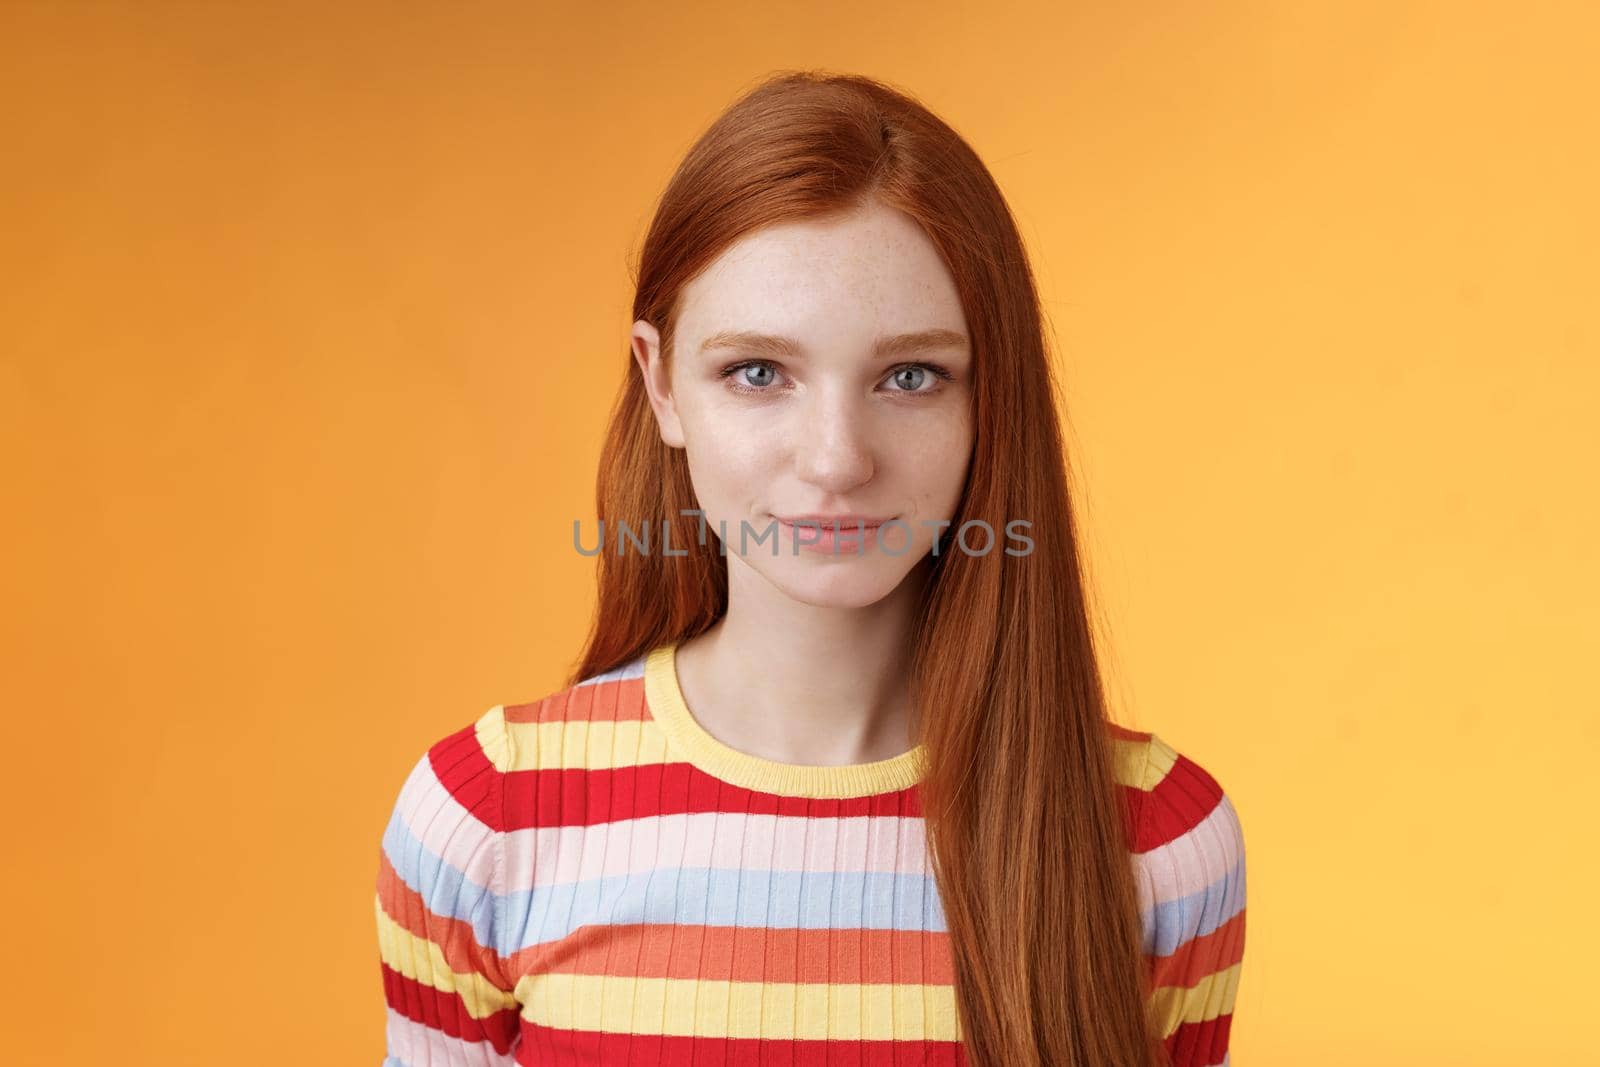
1190	855
449	995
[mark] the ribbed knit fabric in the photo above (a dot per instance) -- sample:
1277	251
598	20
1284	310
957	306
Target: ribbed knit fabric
592	879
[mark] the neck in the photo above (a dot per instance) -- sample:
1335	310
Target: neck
799	683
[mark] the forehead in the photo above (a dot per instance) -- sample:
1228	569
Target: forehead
874	269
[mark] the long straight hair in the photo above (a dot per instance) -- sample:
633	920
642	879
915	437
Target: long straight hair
1025	827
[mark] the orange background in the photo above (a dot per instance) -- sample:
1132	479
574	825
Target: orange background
311	319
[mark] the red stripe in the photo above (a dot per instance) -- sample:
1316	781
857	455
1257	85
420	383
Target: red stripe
548	1047
576	796
447	1012
1179	802
1200	1044
579	796
464	769
1200	957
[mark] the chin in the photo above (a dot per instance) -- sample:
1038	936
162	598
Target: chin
850	586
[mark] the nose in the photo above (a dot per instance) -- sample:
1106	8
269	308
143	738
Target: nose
833	445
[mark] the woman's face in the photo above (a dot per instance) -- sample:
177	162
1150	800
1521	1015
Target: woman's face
821	368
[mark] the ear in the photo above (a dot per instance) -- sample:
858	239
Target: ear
646	344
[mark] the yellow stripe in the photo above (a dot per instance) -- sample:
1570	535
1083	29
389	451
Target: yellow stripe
1161	758
1208	998
575	744
1142	764
715	1008
493	738
422	961
602	745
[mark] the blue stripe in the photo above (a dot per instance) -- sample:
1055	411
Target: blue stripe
816	900
444	889
1169	925
713	896
733	897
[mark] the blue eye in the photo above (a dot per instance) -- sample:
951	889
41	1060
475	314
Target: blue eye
757	375
751	376
910	377
763	375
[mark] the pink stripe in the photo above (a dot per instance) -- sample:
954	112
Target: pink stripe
564	854
1192	861
417	1045
444	827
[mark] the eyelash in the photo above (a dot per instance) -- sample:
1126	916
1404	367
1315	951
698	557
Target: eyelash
728	372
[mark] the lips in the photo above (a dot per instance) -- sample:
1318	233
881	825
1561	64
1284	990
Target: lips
826	533
849	522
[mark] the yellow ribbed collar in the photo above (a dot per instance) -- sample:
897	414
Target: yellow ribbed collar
667	706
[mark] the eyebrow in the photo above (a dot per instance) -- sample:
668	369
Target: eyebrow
775	345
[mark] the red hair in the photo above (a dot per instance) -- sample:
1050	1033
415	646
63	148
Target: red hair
1025	826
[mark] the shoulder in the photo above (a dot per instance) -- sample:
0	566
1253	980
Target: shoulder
449	811
1170	796
591	725
577	726
1188	847
464	768
1187	841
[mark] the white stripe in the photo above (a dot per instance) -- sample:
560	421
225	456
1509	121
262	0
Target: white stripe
1192	861
544	856
444	827
632	669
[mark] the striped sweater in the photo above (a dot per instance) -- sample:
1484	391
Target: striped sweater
592	878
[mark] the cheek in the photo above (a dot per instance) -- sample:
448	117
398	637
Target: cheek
935	457
730	458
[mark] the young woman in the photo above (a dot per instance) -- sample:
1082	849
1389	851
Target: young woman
821	793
